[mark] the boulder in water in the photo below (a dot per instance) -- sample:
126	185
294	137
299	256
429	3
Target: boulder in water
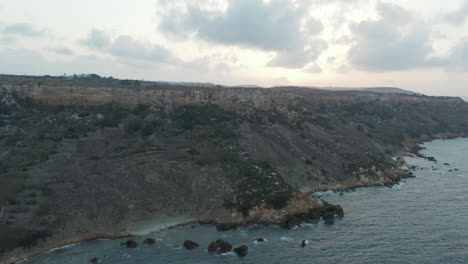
220	247
130	243
95	260
260	240
149	241
189	244
241	251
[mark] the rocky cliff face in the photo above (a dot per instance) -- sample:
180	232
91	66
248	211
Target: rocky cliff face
81	158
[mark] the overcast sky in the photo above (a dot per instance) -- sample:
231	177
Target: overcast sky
421	45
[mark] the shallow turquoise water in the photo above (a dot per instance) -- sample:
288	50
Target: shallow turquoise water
422	220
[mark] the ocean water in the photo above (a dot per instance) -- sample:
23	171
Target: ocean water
421	220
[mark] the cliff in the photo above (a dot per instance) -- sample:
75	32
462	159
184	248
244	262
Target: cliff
80	158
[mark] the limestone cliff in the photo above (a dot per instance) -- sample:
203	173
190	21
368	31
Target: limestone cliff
81	158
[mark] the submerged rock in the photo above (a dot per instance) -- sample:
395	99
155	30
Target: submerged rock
149	241
225	226
95	260
129	243
241	251
189	244
260	240
220	247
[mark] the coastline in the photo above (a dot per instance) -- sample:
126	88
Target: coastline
411	146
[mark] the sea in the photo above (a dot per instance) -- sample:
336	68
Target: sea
419	220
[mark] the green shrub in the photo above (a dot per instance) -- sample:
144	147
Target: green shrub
31	202
133	125
43	210
31	238
46	191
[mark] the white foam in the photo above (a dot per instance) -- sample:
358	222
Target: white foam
227	254
321	194
286	239
307	225
62	247
257	242
398	185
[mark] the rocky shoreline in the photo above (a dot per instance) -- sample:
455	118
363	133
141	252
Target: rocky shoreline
301	208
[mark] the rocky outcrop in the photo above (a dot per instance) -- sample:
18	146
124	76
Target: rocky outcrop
315	214
335	209
328	217
292	221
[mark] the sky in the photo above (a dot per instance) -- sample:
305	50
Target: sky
419	45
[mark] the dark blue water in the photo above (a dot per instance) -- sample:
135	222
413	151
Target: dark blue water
423	220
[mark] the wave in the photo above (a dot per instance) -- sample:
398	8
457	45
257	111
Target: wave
61	248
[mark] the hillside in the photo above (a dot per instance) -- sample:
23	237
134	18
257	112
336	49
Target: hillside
390	90
82	158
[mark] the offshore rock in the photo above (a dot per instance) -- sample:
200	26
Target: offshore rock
149	241
129	243
220	247
241	251
189	244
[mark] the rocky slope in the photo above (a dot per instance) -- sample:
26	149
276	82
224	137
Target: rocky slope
81	158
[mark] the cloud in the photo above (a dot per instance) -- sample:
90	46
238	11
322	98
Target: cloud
395	42
298	58
97	39
23	29
7	40
62	51
128	48
457	60
21	61
273	26
314	68
459	16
